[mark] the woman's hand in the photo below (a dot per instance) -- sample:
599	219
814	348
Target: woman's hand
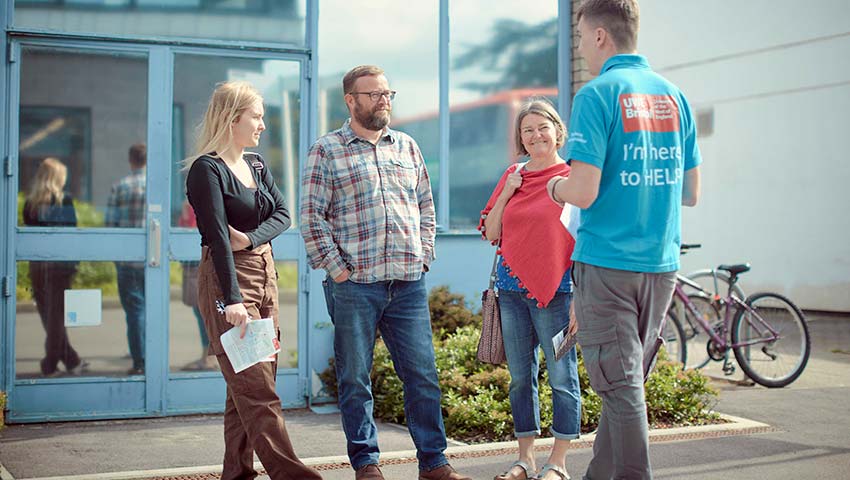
573	320
237	315
238	240
513	182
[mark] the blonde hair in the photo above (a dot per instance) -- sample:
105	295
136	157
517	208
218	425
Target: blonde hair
47	185
539	106
227	103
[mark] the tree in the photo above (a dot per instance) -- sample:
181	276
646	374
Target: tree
526	55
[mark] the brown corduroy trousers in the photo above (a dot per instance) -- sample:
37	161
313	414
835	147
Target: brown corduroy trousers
253	418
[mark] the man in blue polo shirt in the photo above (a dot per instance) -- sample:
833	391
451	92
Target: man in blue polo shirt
635	162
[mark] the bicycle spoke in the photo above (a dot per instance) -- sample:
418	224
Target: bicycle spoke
772	360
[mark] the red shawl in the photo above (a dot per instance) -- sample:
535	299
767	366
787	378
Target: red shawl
535	245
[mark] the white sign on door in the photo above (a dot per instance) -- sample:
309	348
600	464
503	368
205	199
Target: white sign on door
83	308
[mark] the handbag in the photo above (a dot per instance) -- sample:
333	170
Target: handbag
491	345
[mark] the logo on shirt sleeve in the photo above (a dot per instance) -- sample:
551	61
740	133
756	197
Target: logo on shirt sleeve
652	113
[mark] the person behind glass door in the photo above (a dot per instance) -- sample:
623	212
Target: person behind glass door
239	210
533	278
190	295
126	209
47	205
367	218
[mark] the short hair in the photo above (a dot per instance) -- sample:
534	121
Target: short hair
138	155
357	72
544	108
620	18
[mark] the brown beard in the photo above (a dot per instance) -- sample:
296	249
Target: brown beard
370	120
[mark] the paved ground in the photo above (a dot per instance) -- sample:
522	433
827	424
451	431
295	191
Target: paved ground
809	437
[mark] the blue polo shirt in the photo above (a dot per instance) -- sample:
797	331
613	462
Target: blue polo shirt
636	127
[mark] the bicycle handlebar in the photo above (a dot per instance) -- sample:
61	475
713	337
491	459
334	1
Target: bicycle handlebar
689	246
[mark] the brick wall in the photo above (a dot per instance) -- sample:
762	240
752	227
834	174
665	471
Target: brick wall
580	73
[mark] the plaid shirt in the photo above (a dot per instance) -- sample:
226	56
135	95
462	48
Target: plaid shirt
367	208
126	207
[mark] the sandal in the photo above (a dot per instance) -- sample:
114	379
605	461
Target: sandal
553	468
526	469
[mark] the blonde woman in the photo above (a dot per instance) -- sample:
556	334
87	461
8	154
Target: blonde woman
47	205
239	210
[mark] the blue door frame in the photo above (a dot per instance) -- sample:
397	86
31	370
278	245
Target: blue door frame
160	392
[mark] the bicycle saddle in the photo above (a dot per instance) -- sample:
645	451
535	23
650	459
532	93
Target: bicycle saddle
735	269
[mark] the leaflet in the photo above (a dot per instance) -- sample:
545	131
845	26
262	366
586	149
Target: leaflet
563	342
570	219
259	345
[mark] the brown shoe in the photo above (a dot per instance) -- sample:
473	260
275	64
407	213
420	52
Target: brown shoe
369	472
446	472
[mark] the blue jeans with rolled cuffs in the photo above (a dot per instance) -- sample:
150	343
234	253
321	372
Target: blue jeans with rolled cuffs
400	310
525	328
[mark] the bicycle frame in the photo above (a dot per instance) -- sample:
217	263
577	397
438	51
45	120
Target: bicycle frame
728	316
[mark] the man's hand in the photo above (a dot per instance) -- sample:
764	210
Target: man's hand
237	315
573	320
238	240
343	276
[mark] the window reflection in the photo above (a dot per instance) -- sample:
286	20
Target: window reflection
50	341
274	21
498	60
408	42
188	336
195	77
88	121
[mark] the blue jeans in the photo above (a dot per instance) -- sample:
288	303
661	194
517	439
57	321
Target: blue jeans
131	290
400	310
524	327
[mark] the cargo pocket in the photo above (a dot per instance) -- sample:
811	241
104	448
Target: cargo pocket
603	358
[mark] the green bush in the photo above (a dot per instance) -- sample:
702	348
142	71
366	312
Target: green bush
449	312
475	402
2	410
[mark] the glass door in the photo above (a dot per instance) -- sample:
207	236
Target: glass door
86	247
105	250
194	383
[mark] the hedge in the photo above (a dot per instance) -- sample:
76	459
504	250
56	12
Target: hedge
475	402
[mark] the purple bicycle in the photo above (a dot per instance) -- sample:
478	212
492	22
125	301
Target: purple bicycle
767	333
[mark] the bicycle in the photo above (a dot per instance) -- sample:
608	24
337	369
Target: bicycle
765	332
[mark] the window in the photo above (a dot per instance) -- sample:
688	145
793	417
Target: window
267	21
88	121
498	60
406	46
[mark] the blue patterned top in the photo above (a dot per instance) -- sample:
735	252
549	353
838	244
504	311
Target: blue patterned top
504	281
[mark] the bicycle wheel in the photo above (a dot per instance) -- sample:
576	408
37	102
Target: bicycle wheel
705	278
777	362
696	336
674	339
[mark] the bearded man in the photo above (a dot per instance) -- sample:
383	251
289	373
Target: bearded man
368	220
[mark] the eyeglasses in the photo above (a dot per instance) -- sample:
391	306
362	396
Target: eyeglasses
376	95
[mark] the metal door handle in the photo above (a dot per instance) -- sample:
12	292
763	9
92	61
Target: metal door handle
154	243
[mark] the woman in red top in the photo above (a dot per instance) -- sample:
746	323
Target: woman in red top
533	279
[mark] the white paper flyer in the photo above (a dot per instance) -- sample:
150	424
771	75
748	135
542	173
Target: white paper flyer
570	219
259	345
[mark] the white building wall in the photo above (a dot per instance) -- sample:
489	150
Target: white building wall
776	175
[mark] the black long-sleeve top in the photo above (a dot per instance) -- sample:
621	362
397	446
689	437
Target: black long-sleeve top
219	199
53	215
